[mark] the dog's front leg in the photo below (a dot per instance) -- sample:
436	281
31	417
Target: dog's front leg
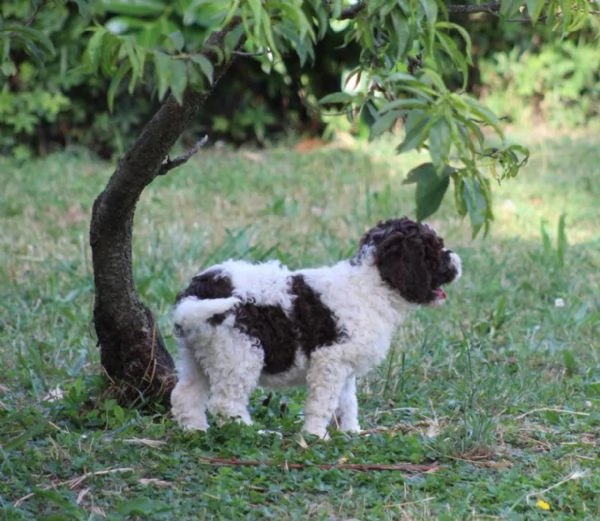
325	379
347	410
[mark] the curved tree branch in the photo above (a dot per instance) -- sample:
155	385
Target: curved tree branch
132	349
490	7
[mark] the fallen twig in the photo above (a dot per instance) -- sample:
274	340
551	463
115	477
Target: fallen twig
361	467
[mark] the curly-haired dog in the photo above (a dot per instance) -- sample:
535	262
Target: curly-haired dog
240	325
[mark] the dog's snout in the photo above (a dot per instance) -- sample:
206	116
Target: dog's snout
456	264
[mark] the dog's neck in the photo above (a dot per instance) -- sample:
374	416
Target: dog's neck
362	278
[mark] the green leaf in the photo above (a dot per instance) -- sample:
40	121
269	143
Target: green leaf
484	114
477	206
109	54
29	34
449	47
177	40
404	104
534	9
8	68
509	8
178	80
84	9
468	53
205	66
232	39
162	62
431	11
431	188
383	123
134	7
337	97
115	82
459	195
402	32
136	55
440	142
546	241
416	132
5	46
562	244
93	52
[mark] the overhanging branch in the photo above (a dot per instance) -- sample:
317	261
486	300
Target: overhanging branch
170	164
490	8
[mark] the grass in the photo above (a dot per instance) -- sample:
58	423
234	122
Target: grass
500	388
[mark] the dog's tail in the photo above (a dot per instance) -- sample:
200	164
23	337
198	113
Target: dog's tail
191	313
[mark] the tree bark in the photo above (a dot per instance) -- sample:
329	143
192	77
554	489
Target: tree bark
132	349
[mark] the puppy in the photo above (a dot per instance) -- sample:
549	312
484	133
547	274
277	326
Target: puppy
239	325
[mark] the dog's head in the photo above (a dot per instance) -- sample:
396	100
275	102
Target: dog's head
411	258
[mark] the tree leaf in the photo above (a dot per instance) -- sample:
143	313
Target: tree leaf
416	133
93	52
109	54
84	9
115	82
205	66
384	122
162	62
402	32
431	11
459	195
135	7
476	203
29	34
440	142
177	40
509	8
337	97
484	114
179	78
534	9
404	104
431	187
468	52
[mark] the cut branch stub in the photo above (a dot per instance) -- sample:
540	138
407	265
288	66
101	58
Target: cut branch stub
132	349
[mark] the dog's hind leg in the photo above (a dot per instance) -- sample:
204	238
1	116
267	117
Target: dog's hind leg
346	413
190	396
326	379
234	370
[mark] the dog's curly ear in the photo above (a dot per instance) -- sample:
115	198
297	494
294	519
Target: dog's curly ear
400	259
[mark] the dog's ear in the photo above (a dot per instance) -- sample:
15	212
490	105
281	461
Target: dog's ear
400	259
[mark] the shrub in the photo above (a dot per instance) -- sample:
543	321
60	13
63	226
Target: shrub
559	83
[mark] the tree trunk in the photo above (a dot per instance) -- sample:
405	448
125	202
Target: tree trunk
132	349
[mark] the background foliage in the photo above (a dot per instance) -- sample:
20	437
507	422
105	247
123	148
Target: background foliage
42	109
93	73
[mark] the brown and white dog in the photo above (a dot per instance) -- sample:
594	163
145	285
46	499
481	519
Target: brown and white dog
239	325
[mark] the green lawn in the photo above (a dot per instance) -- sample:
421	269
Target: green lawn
499	391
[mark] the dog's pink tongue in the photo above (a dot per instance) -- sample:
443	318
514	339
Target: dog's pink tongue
441	294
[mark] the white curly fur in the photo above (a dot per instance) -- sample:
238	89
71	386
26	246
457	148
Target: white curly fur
219	366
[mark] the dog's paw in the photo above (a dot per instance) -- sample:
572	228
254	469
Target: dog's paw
192	422
318	432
